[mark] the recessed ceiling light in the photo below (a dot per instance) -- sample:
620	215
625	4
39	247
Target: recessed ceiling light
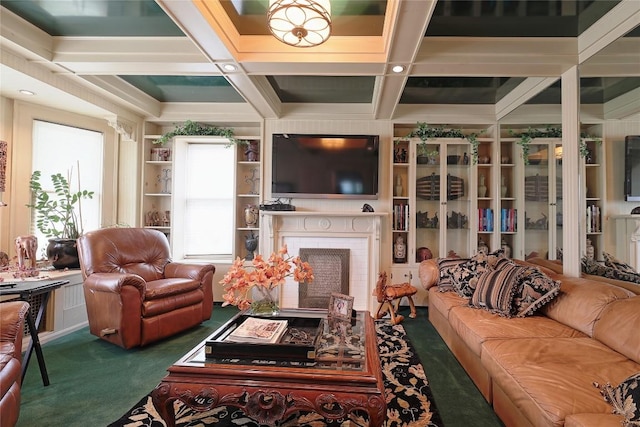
26	92
397	68
230	67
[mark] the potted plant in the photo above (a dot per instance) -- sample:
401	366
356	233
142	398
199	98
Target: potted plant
59	217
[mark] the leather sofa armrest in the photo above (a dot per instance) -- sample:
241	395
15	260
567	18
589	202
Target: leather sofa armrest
12	315
113	282
192	271
428	273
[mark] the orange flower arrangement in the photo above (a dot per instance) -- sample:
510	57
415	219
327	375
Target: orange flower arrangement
265	276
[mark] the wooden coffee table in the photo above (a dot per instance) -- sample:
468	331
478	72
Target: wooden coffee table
344	377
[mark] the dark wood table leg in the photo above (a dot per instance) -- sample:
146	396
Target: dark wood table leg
35	341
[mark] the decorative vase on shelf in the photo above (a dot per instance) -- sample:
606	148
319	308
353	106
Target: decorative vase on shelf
252	152
482	247
251	216
482	189
265	301
503	188
250	244
398	187
590	250
400	250
506	248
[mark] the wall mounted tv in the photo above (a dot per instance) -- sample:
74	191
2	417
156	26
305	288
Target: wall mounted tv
325	166
632	168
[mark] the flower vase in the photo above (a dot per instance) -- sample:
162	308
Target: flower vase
265	301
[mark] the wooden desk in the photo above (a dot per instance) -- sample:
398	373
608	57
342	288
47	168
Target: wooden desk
24	290
345	377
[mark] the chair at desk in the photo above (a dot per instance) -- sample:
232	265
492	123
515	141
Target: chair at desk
12	317
133	291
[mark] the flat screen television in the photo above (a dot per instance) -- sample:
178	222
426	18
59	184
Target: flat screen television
325	166
632	168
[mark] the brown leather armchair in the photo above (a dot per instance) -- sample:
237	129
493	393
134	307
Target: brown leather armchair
12	315
133	291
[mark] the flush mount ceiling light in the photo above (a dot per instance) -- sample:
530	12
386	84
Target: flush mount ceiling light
27	92
230	67
300	23
398	69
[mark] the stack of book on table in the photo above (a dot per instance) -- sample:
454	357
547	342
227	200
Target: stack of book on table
257	330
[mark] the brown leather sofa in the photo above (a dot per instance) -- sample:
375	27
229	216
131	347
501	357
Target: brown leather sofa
134	293
540	370
12	317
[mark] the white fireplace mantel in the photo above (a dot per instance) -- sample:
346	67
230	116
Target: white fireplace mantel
357	231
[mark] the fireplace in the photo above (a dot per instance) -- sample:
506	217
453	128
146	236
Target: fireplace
357	232
331	274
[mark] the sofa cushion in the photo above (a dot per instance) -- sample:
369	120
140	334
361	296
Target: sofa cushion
617	327
534	290
475	327
443	302
590	419
495	289
465	276
625	399
594	268
580	302
615	263
447	267
550	378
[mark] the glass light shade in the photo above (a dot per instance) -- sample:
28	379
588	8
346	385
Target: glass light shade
301	23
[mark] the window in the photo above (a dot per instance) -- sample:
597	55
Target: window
76	154
203	208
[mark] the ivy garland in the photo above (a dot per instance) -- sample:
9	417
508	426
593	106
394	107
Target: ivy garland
425	132
193	128
549	132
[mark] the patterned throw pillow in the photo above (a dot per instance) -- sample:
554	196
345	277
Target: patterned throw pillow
465	276
496	288
534	290
613	262
446	267
625	399
592	267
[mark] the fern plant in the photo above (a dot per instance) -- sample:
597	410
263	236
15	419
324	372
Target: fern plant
56	216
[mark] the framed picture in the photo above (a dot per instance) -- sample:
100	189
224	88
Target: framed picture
340	306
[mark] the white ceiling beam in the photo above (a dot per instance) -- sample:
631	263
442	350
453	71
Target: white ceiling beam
624	106
410	23
198	29
624	17
526	90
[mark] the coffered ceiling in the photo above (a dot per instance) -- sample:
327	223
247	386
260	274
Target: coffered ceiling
171	59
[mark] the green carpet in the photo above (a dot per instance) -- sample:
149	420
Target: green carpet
94	382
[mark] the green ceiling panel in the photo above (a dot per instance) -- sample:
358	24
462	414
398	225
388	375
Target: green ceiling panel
95	17
185	88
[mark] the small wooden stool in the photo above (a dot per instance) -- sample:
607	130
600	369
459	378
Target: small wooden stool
387	295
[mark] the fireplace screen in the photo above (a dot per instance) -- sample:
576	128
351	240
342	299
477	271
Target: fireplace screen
331	274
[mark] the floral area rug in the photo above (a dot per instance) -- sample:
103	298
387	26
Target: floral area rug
409	399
